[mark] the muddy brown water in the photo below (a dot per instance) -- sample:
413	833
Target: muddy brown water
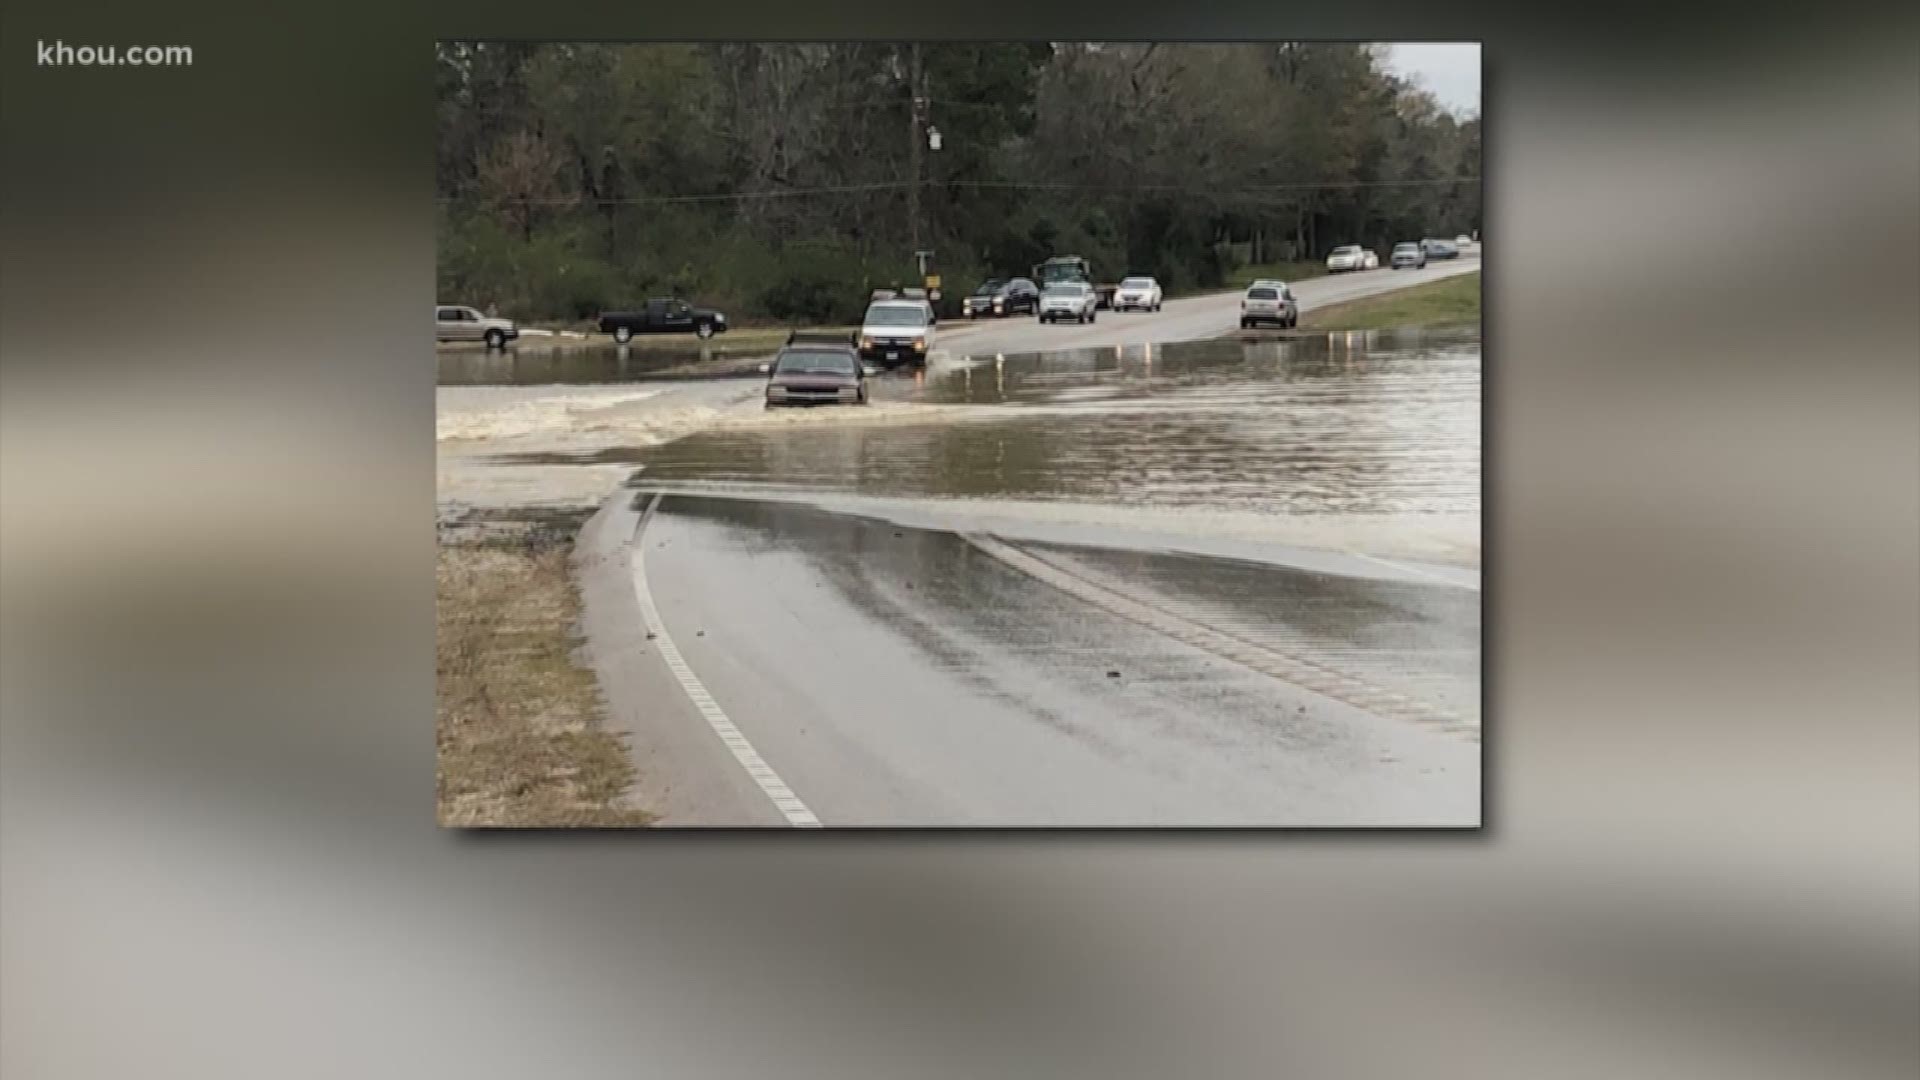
538	364
1344	423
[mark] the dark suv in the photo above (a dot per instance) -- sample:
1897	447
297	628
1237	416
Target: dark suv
1002	297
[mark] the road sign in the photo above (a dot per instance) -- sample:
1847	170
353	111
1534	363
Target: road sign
933	281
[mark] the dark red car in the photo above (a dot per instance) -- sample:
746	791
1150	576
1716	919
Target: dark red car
817	371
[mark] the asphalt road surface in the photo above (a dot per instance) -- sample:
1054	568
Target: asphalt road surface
1182	320
781	664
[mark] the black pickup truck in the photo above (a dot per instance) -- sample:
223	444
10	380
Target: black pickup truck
663	315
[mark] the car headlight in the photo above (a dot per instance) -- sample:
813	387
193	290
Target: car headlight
776	391
919	344
849	393
866	342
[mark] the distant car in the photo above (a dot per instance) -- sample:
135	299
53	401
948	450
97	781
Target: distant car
1409	254
1346	257
816	370
896	332
663	315
1439	249
452	322
1369	259
1074	300
999	296
1142	293
1463	239
1269	302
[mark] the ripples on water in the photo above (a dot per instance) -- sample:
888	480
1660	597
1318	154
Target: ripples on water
1345	423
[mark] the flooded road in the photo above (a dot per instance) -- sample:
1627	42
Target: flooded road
1224	582
1349	424
538	363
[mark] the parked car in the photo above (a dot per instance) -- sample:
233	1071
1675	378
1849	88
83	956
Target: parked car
663	315
1409	254
1074	300
1439	249
1369	259
1346	257
1269	302
1463	240
453	322
1142	293
896	332
816	369
999	296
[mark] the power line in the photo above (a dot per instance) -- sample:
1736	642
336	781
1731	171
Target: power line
1181	189
1015	185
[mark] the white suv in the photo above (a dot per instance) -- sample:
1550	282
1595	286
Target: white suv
1269	302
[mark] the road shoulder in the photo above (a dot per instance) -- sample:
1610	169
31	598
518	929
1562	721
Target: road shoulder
685	775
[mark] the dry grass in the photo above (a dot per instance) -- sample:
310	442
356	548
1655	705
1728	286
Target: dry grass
519	720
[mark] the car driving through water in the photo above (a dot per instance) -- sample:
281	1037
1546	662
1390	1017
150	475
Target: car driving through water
896	332
816	370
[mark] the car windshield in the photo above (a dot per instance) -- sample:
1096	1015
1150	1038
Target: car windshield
896	315
988	288
1346	251
1262	294
839	361
1066	289
1406	247
1137	283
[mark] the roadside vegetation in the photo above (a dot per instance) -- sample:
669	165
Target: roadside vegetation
1449	302
519	719
778	182
1283	271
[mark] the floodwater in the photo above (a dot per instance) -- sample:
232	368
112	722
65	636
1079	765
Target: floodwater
541	363
1315	424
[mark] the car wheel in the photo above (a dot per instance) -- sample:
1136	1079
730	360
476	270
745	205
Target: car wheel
703	331
622	334
496	339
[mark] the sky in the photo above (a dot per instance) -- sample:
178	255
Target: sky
1449	70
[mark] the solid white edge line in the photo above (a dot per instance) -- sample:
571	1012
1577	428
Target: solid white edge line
776	789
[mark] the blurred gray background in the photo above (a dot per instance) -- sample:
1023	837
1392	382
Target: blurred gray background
217	848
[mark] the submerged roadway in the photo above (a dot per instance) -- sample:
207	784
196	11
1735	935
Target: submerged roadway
783	661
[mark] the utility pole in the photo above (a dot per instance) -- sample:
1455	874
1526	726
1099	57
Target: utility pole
916	162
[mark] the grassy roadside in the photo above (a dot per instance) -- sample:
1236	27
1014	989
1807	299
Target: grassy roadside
1453	300
518	720
1288	271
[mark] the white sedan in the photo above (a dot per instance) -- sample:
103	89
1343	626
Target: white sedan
1369	259
1346	257
1137	293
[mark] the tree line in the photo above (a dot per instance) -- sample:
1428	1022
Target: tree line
784	181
